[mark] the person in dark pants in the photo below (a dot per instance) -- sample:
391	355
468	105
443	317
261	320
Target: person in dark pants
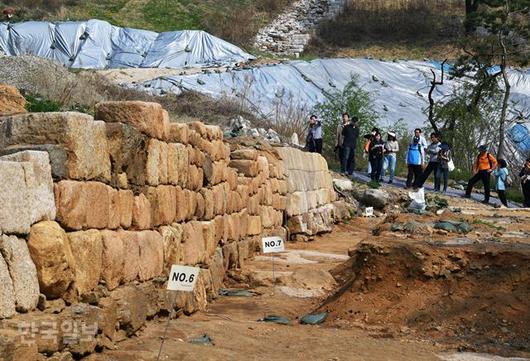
501	173
315	130
442	174
484	165
350	134
339	139
415	156
375	155
525	182
432	151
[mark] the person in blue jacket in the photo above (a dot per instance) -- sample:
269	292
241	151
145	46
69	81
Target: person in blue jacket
501	175
415	160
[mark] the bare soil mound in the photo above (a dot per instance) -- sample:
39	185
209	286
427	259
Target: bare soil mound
474	296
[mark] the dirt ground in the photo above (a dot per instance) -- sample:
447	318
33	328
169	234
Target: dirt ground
408	295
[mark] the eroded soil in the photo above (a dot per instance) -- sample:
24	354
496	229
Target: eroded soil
413	294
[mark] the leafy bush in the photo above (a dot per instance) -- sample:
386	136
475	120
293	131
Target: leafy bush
37	104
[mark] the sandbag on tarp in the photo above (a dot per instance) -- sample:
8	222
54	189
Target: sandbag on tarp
452	226
202	340
96	44
281	320
236	293
314	319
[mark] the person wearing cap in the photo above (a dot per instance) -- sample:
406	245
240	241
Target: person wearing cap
350	133
415	158
391	148
484	165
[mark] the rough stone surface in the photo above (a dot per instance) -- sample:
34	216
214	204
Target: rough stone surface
131	255
15	193
193	247
82	205
7	292
56	153
141	218
22	270
128	153
87	251
82	138
51	253
290	32
172	239
41	192
112	259
151	255
131	308
126	205
149	118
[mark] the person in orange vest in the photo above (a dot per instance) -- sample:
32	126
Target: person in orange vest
484	165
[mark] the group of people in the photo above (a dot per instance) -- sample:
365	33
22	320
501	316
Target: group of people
422	159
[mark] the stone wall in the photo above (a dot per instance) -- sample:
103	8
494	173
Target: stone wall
94	213
291	31
310	195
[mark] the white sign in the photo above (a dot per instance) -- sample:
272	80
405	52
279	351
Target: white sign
273	244
369	211
182	278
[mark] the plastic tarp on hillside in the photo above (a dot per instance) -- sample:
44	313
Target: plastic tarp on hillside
96	44
399	89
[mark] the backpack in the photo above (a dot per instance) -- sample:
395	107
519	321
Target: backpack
414	154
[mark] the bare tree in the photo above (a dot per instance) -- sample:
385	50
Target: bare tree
434	83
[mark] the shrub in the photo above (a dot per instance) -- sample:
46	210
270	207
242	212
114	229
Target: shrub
37	104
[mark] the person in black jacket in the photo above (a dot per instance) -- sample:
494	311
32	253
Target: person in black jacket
525	182
375	155
350	133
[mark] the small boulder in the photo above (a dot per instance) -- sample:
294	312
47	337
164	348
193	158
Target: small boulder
376	198
50	251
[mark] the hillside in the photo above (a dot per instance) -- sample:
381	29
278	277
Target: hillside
234	20
404	29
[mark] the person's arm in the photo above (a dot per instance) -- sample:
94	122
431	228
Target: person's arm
367	146
397	147
522	172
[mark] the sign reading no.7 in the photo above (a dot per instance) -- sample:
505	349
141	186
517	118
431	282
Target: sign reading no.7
273	244
182	278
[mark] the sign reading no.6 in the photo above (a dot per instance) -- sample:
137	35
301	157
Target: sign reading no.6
273	244
182	278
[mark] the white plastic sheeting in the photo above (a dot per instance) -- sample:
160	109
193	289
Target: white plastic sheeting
399	89
96	44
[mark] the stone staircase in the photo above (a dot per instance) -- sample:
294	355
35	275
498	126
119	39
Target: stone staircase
291	31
